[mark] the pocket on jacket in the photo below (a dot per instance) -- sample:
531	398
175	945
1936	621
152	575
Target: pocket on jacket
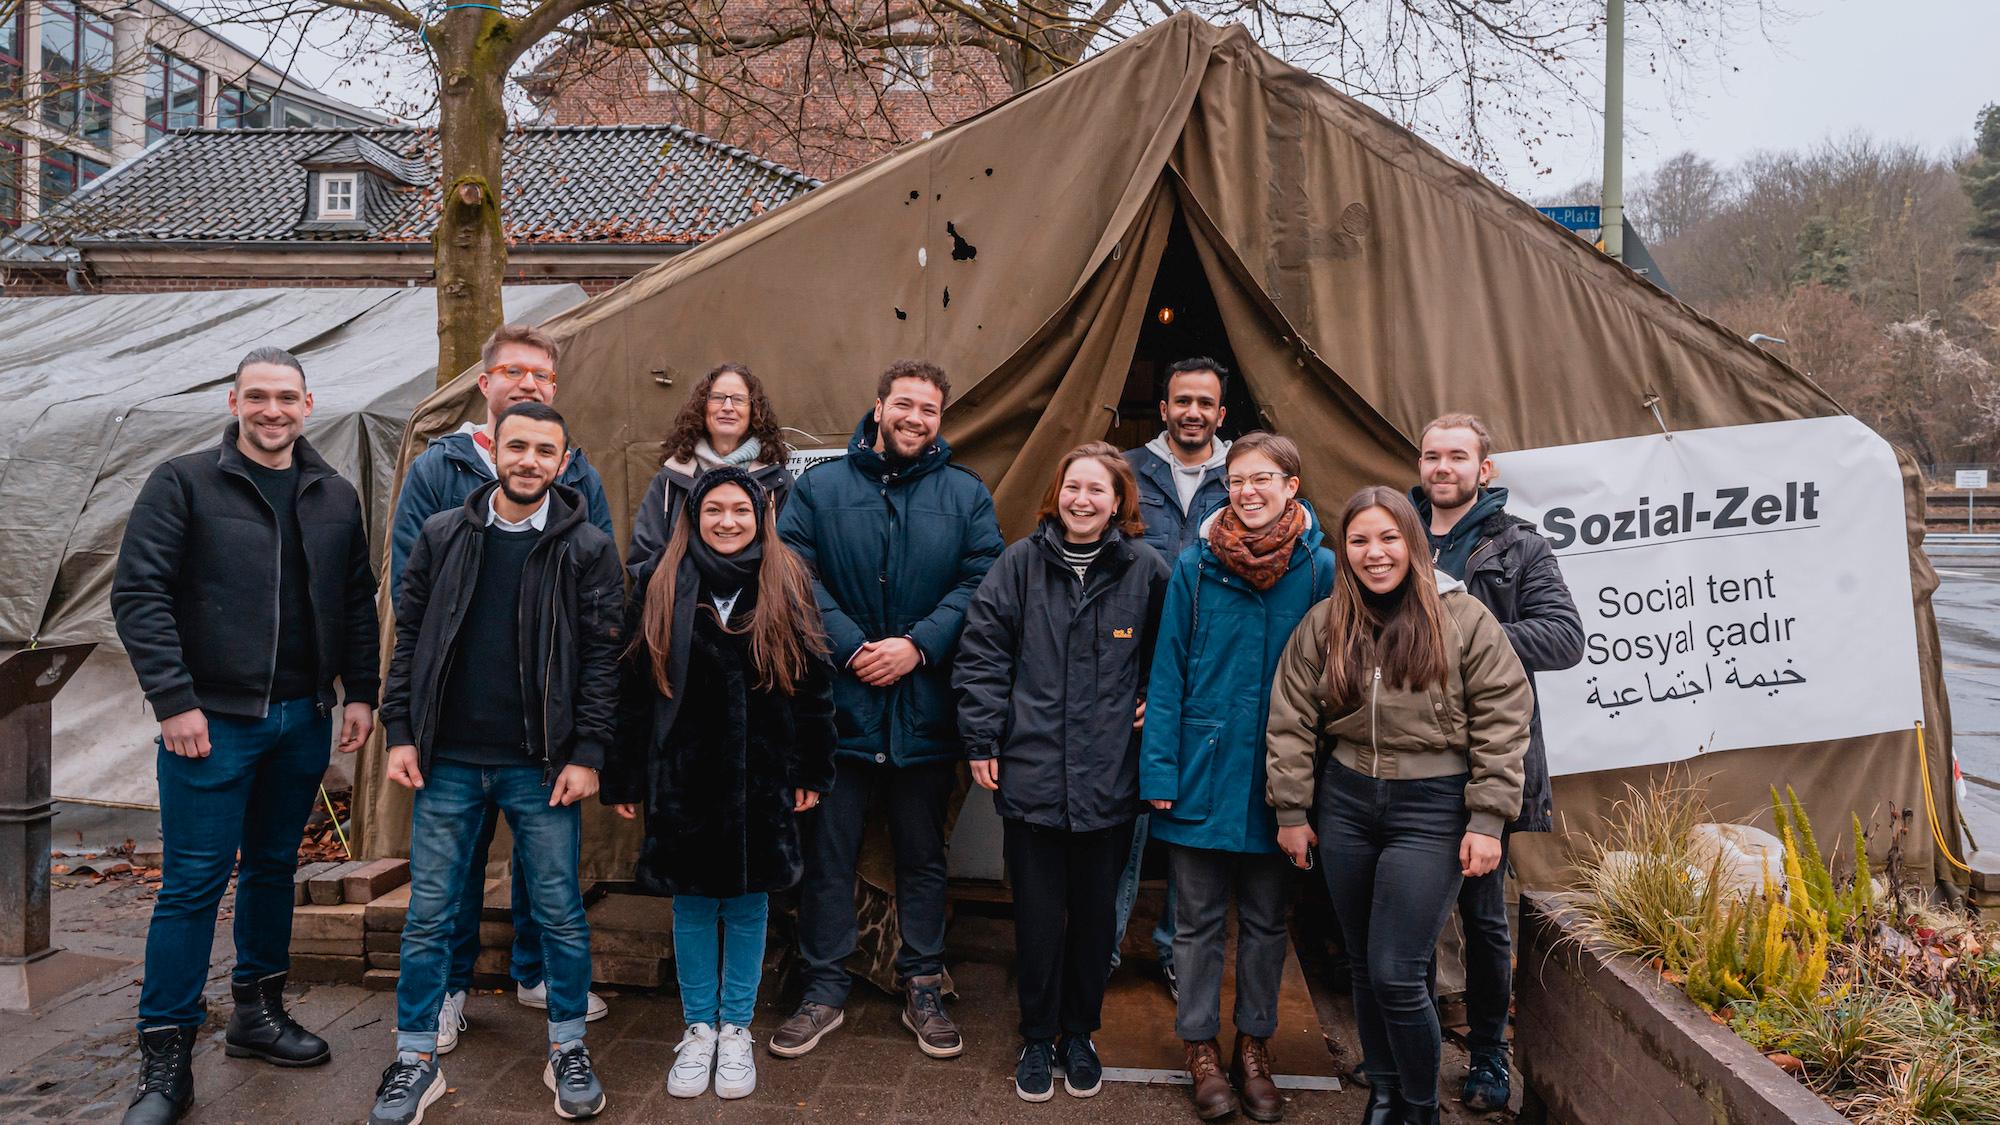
928	710
1200	745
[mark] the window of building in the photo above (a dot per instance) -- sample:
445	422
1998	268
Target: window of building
173	94
336	195
63	172
13	49
907	66
244	107
10	181
673	69
76	68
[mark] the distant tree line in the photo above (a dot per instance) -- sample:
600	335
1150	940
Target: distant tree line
1878	263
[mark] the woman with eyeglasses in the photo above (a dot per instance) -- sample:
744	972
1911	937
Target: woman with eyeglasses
1231	605
1417	691
727	420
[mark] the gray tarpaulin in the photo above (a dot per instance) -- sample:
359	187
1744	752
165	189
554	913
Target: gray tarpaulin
98	390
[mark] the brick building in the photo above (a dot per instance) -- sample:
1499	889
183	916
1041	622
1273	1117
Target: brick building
807	105
207	209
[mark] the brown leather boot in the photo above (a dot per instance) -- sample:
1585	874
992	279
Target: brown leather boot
1250	1070
1213	1098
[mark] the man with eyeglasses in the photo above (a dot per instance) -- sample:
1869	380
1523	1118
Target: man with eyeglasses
518	364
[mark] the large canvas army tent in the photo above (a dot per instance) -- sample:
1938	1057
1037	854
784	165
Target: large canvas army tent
1360	281
100	389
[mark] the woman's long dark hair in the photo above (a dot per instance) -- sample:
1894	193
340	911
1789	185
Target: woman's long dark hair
784	626
690	426
1403	632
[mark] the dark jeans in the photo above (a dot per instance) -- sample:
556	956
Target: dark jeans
915	800
527	966
1390	852
1128	896
1203	882
243	808
1489	957
1065	922
444	824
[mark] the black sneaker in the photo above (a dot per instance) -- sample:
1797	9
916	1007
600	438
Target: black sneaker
1083	1074
578	1093
1487	1085
411	1083
1034	1075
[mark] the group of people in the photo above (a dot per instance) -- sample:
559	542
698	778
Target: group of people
1179	650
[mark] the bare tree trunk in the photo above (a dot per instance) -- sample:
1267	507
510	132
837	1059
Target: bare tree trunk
474	49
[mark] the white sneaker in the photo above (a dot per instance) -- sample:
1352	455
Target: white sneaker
451	1021
594	1008
735	1063
694	1058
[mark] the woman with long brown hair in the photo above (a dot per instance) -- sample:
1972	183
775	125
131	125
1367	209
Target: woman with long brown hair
1051	678
726	735
727	420
1414	687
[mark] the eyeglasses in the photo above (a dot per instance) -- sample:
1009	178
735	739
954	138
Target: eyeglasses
514	373
737	401
1254	480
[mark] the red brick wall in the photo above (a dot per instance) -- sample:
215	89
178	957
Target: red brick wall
823	119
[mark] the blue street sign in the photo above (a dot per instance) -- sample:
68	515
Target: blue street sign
1576	218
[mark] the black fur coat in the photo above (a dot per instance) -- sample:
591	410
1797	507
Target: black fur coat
716	785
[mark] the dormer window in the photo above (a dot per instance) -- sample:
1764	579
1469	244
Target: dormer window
337	191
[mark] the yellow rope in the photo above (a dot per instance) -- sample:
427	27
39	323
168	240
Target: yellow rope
1930	804
349	852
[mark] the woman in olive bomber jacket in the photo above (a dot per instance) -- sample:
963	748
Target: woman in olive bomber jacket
1413	686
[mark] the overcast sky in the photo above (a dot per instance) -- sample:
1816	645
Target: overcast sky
1904	70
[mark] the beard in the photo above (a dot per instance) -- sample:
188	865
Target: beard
1181	440
258	439
1449	494
525	498
896	443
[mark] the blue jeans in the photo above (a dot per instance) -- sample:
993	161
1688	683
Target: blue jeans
1390	852
1128	895
527	962
444	827
249	798
730	988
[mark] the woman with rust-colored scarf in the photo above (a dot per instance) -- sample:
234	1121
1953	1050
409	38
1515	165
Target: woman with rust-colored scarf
1231	605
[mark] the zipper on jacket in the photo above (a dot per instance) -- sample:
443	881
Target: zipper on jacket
549	664
1474	557
1374	742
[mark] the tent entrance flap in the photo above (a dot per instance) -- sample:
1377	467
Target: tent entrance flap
1181	321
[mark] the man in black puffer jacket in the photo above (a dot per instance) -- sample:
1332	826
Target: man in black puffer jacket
897	536
1510	568
243	593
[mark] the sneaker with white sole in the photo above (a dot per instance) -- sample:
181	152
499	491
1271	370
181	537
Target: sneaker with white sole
694	1059
735	1063
408	1087
569	1075
451	1021
594	1008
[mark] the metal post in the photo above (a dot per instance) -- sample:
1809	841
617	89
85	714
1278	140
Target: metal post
1613	231
31	971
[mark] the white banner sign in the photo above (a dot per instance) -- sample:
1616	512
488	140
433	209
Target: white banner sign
1741	586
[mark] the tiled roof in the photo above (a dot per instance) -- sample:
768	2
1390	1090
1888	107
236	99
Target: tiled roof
562	184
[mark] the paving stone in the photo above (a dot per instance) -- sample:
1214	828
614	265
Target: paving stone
371	880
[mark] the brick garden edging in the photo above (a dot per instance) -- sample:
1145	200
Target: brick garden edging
1602	1040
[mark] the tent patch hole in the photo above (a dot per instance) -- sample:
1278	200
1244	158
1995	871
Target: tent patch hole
989	171
901	315
947	296
961	250
916	195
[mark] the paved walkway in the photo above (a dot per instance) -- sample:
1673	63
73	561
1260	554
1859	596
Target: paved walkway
76	1061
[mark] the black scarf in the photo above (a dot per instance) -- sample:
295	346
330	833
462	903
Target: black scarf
704	572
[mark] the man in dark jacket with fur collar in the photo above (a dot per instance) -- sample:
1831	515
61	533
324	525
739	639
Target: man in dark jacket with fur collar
897	536
243	592
1510	568
502	695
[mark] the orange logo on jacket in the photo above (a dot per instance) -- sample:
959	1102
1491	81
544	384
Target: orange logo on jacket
1124	634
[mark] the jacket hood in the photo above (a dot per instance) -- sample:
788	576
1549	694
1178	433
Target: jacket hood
1048	536
862	455
682	471
1492	499
1446	583
566	508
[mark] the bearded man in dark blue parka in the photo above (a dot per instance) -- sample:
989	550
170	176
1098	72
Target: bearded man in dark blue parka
897	536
